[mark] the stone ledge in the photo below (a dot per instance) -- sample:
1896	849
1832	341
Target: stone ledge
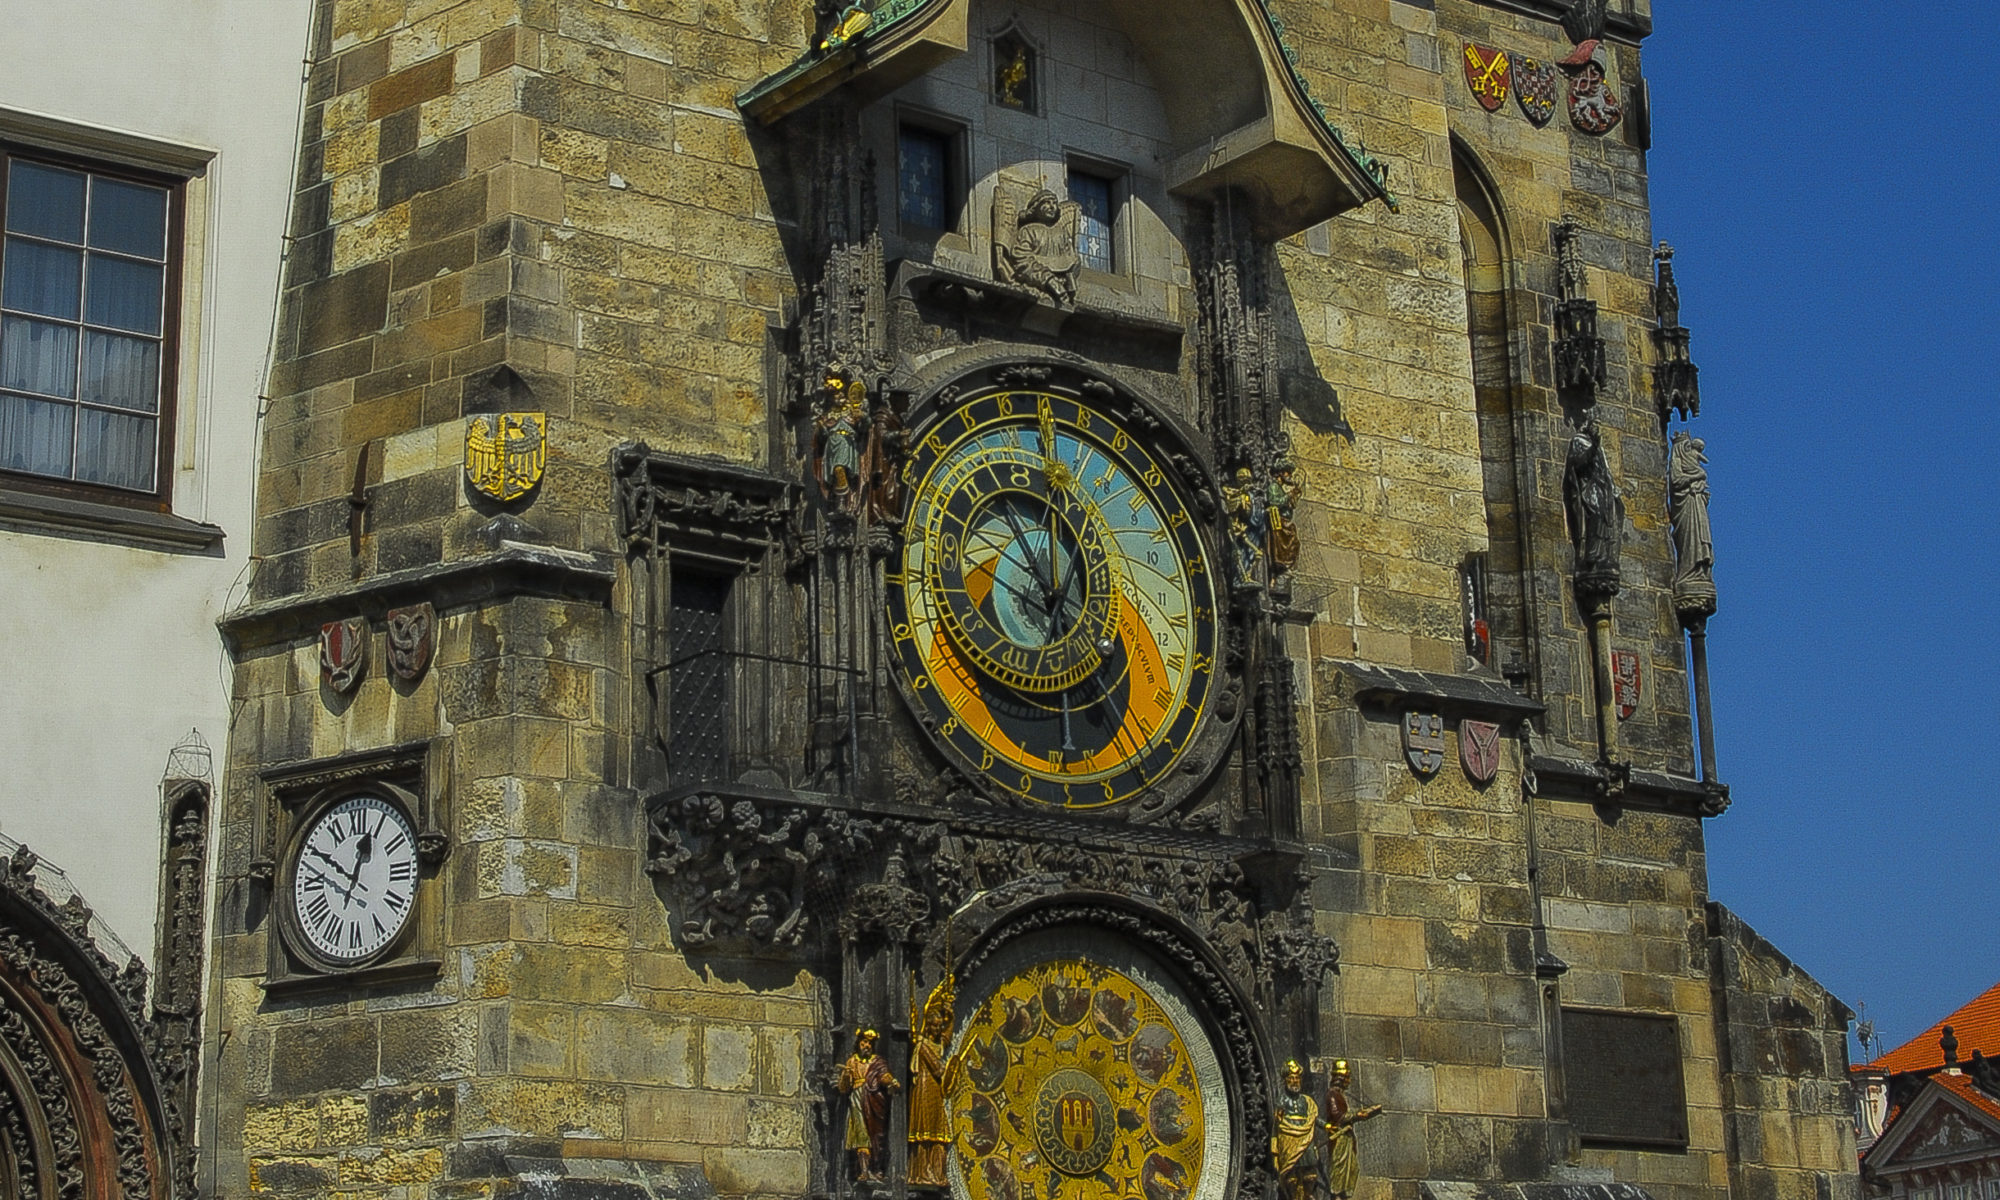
1455	1190
62	516
1400	689
601	1179
1657	791
515	569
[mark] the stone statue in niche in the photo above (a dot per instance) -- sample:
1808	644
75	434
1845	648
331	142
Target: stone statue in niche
1035	245
866	1082
1343	1165
882	465
1596	517
1294	1139
1687	508
843	416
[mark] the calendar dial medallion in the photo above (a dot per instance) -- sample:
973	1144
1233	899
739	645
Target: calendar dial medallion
1052	610
353	879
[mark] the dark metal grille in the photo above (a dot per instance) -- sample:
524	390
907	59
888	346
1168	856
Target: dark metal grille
698	683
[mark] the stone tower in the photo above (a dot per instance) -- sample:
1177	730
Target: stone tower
1111	545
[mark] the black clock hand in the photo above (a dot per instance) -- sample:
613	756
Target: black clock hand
1021	539
322	876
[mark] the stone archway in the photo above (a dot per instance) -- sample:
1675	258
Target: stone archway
81	1110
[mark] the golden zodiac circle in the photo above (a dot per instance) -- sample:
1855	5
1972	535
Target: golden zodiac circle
1076	1081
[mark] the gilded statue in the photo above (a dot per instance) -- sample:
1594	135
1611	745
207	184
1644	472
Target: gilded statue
1281	512
933	1078
1687	508
1343	1165
866	1082
842	420
1012	78
1245	516
1294	1138
1036	247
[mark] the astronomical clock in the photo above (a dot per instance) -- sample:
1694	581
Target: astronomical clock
1054	604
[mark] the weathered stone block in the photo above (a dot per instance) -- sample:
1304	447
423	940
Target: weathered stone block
322	1057
345	307
415	1114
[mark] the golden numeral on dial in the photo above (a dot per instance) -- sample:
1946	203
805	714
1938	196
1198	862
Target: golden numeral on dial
1153	477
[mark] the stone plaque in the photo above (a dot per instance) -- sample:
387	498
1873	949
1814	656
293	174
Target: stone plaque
1623	1076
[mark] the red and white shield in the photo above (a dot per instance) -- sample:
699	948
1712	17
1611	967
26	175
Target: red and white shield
1627	681
1489	73
1479	750
343	652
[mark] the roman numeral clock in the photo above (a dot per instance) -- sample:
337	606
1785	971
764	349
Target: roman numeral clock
1054	610
349	852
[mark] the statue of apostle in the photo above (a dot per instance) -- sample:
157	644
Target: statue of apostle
1294	1134
1596	517
933	1077
866	1082
1343	1166
842	421
1687	508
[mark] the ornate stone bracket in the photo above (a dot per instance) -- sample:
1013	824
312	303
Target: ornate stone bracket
698	504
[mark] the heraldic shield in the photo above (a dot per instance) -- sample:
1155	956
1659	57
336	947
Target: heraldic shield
411	640
1538	88
1479	750
1627	681
1488	73
343	653
505	453
1423	742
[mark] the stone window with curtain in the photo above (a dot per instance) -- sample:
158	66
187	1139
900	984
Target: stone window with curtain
88	281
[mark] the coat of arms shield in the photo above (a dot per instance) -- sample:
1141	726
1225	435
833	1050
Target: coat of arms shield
505	453
1593	106
343	653
1488	72
1423	742
410	640
1626	682
1537	87
1479	750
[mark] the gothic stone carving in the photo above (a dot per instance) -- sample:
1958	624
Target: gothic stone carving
1596	515
1034	244
1687	507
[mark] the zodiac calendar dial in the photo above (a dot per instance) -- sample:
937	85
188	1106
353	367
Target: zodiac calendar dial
1076	1082
1052	607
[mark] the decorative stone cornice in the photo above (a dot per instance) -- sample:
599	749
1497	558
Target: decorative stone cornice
1398	689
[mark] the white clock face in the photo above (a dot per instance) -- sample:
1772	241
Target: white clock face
354	879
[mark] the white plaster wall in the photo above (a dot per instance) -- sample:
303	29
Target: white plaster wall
109	654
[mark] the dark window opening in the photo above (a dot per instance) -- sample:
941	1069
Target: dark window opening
698	702
86	303
925	178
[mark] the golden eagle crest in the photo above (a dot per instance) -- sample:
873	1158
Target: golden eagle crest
505	453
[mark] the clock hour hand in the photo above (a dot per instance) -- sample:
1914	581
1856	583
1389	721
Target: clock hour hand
346	893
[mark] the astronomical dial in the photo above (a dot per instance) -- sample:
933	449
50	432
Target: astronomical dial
1052	609
354	879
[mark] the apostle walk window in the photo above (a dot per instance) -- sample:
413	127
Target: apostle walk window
926	177
1096	198
86	285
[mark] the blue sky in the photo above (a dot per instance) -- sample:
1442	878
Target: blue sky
1828	175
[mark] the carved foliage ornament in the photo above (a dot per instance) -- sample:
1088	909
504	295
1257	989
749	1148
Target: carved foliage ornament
53	966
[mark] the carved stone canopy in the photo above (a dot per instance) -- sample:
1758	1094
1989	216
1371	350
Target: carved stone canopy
1242	118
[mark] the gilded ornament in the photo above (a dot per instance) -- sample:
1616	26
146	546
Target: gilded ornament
505	453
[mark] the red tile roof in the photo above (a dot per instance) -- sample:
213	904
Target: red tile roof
1976	1026
1961	1086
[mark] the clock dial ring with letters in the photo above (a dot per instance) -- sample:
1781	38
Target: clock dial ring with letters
1052	610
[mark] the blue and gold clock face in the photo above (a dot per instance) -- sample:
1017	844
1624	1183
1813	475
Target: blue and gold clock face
1053	611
